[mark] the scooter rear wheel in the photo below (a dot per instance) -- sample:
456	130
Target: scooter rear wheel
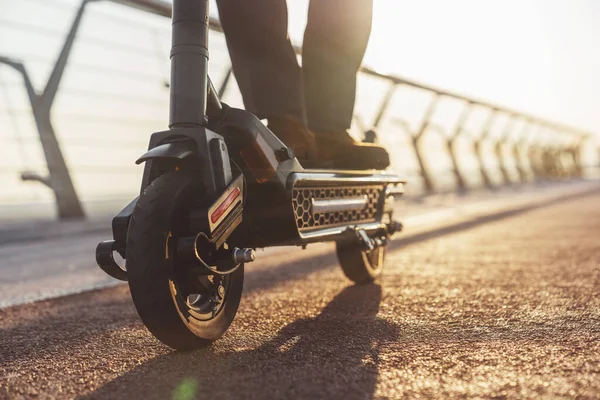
360	266
161	287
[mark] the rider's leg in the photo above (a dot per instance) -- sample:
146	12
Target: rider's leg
335	41
266	68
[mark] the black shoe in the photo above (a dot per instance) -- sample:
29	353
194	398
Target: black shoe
341	151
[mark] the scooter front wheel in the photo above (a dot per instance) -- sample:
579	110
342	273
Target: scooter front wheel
183	308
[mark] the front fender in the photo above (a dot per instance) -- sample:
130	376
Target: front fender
173	150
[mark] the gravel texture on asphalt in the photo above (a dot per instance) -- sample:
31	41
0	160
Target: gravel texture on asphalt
506	309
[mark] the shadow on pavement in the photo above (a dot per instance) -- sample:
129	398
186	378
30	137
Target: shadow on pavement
59	322
329	356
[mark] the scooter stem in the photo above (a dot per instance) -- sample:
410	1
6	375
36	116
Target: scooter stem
189	63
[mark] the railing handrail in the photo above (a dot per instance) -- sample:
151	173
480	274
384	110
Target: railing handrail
163	8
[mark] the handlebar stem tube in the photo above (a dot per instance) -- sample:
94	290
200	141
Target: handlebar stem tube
189	63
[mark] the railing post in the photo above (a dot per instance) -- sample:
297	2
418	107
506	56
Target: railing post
571	150
59	179
519	148
385	103
478	143
417	138
370	135
575	153
499	147
225	83
536	151
451	143
562	169
549	161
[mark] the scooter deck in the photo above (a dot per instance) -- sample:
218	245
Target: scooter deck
327	202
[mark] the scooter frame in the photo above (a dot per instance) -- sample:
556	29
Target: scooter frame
232	150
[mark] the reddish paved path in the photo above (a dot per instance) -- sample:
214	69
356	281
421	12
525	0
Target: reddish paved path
510	308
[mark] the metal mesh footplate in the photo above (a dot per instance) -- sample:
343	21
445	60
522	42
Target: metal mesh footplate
311	203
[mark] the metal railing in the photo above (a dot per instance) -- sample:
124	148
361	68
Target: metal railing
525	147
545	155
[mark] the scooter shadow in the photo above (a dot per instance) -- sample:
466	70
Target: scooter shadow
333	355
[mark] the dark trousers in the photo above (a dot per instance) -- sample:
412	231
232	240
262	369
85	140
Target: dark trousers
322	91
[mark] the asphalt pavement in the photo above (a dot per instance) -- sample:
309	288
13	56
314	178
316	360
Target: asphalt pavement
504	304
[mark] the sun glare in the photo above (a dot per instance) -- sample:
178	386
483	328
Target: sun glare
537	56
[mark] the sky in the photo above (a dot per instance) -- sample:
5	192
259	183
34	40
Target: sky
540	56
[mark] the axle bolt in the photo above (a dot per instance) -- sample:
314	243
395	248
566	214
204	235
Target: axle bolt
243	255
394	227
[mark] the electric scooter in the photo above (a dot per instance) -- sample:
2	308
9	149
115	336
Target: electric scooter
217	185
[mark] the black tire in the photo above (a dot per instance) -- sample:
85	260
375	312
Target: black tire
152	273
360	266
